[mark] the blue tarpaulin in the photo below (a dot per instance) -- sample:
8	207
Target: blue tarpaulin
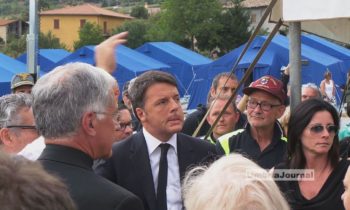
5	81
46	58
130	63
9	67
182	61
328	47
315	63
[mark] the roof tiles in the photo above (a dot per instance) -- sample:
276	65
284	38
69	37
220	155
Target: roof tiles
84	9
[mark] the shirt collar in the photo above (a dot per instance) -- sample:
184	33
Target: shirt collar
277	131
152	142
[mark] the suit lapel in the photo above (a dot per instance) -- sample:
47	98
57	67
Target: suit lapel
185	154
142	168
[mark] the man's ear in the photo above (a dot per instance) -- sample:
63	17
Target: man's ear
88	123
140	114
212	92
5	136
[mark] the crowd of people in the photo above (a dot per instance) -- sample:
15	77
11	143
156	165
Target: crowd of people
68	143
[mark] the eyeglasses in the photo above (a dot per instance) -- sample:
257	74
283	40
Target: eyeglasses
319	128
122	126
265	106
22	126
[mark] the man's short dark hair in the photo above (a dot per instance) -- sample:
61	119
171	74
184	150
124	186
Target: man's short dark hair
216	79
143	82
25	184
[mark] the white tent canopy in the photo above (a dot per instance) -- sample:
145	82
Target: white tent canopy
329	19
301	10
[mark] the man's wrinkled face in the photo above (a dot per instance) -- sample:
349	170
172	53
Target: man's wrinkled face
263	109
20	131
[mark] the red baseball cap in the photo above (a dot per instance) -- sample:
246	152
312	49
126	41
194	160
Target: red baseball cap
270	85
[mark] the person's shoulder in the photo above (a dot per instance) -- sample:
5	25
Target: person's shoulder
232	134
127	142
182	136
116	195
108	186
194	141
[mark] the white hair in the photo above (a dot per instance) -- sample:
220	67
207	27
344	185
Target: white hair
10	105
62	96
232	183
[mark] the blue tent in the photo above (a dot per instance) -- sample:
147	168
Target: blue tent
275	56
181	60
5	81
9	67
269	63
316	62
46	57
130	63
11	64
328	47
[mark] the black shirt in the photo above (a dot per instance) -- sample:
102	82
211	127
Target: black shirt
329	197
242	142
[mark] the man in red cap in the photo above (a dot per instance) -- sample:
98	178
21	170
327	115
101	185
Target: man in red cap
262	138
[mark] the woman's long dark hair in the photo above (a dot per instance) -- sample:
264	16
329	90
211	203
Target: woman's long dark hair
298	121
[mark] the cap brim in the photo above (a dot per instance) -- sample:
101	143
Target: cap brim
249	90
22	83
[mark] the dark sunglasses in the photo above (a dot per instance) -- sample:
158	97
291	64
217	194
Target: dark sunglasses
319	128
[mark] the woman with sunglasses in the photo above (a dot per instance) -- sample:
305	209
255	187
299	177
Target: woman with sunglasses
313	144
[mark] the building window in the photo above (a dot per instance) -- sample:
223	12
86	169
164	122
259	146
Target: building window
82	23
105	27
56	24
253	18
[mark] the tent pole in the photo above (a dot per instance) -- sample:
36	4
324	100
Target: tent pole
295	63
32	39
233	70
246	75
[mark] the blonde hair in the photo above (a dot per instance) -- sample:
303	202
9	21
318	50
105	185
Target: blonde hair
232	183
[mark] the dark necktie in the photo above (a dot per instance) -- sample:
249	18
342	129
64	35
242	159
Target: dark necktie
162	177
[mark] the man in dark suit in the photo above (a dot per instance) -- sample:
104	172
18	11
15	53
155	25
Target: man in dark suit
75	109
138	162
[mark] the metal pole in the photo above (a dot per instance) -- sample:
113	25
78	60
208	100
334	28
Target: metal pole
32	38
295	63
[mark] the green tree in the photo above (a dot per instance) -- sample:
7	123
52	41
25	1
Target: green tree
137	30
157	30
139	12
50	41
184	20
89	34
235	22
15	46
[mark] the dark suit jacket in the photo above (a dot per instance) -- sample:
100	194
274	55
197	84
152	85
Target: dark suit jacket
88	190
130	167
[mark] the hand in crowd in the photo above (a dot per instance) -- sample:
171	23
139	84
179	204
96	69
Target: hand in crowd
105	51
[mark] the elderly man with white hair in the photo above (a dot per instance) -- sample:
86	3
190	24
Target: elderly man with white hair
17	126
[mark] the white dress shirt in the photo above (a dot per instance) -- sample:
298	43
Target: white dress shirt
173	189
33	150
